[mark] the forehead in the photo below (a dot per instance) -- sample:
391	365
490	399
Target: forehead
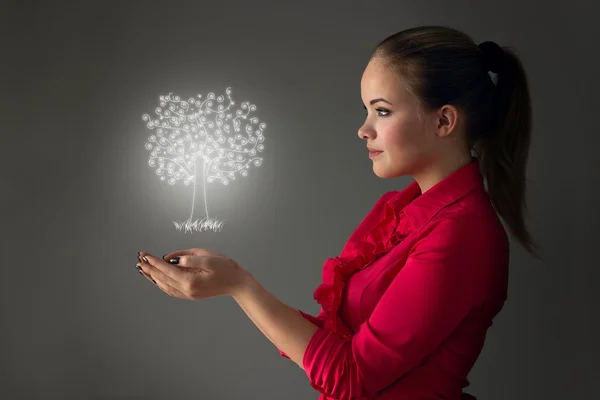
378	80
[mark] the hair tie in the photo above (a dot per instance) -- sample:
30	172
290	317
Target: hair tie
493	56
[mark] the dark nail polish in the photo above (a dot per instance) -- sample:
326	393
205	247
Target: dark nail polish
139	260
145	259
174	260
138	267
154	281
164	255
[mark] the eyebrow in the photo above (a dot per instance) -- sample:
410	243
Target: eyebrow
378	100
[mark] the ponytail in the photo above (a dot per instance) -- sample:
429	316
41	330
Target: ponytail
504	151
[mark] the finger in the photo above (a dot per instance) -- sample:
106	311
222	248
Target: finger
157	276
165	257
191	252
179	253
139	260
145	275
173	275
182	261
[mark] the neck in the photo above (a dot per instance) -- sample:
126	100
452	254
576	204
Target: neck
435	172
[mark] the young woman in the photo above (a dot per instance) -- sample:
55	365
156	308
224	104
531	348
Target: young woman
405	308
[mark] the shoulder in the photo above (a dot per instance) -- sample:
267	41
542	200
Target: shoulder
470	234
468	238
470	222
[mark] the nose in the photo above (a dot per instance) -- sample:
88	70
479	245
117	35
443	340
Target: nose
365	132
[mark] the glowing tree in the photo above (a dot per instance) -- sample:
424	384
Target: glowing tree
192	131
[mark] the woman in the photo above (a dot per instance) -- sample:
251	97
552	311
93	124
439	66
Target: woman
405	308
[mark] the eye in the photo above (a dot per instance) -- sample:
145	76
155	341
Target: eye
382	112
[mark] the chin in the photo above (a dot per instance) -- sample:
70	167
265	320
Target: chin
387	173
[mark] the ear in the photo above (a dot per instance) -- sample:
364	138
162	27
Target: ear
448	119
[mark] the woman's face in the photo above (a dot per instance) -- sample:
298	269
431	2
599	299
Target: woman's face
392	124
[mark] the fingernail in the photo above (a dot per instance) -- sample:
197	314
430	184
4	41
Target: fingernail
141	273
145	259
138	258
174	260
164	255
138	267
154	281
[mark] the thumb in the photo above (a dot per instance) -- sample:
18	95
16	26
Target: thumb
177	253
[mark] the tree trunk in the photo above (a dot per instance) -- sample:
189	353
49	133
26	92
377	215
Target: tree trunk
204	170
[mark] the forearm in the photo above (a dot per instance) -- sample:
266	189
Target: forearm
280	323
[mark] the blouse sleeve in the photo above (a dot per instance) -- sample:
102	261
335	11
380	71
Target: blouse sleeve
431	294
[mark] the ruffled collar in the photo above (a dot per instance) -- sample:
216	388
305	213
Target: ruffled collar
358	254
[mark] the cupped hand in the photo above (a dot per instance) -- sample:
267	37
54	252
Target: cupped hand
195	274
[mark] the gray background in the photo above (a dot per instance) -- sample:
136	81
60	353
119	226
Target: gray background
79	199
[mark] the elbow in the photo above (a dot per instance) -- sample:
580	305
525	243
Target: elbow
332	369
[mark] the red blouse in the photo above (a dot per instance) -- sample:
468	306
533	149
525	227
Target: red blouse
405	308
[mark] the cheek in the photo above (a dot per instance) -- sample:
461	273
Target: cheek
404	139
406	147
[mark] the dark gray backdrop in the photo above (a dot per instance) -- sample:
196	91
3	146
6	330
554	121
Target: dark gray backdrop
79	199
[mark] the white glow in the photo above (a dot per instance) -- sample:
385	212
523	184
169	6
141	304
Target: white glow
196	130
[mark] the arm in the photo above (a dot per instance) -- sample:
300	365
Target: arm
251	302
365	226
319	321
428	298
283	325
